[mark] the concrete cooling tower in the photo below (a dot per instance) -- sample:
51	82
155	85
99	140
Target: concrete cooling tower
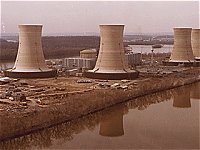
111	63
30	62
182	50
196	43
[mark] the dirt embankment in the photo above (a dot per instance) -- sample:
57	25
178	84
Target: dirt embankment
85	98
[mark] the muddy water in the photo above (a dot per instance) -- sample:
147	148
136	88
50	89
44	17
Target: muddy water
165	120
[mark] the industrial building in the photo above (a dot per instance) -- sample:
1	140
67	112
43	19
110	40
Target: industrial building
134	59
196	43
30	61
111	62
70	63
88	53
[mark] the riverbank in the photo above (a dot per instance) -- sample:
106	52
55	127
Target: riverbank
56	100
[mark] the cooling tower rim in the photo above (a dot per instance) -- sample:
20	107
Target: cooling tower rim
30	25
197	58
132	74
184	61
112	71
112	25
43	74
182	28
195	29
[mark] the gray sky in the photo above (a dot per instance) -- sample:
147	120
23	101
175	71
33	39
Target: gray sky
79	17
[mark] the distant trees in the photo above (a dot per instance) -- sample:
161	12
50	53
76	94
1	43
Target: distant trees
53	47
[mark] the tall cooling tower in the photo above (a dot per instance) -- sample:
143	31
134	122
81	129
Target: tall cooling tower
30	62
182	50
111	63
196	43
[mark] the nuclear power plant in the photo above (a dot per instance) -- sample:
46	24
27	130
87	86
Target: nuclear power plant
196	43
30	61
182	50
111	62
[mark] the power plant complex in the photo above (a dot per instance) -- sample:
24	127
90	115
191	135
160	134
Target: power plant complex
112	63
101	78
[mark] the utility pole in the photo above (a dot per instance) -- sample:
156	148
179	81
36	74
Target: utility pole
152	59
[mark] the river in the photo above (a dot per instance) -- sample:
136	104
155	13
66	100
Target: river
164	120
148	48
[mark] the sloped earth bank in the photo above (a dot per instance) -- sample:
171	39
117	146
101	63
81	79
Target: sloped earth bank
79	99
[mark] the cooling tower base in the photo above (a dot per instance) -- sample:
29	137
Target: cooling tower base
185	64
112	76
197	58
44	74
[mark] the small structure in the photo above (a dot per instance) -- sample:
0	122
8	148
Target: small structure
30	62
86	63
88	54
133	59
111	62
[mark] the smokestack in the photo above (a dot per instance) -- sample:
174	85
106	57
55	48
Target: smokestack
182	50
196	43
111	62
30	62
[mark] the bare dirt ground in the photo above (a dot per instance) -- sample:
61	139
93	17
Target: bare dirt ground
51	101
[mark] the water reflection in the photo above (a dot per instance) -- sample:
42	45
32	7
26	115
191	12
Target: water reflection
181	98
195	92
111	123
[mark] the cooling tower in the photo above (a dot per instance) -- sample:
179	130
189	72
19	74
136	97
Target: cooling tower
111	63
182	50
196	43
30	62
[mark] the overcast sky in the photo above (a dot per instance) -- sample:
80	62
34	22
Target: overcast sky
80	17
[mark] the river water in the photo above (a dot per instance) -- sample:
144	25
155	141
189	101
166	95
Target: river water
148	48
165	120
